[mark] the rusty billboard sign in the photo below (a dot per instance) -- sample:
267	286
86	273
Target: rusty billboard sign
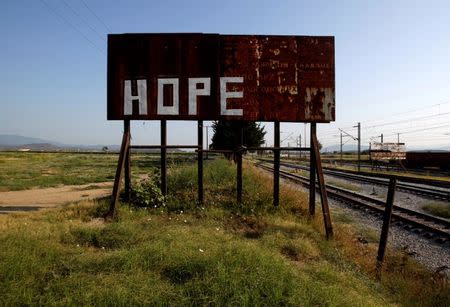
387	151
211	76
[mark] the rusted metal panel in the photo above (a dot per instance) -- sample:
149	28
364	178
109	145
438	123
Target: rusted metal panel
387	151
283	78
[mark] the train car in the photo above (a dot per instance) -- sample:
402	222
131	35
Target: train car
427	159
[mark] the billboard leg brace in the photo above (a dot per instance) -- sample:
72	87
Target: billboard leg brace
322	188
312	176
124	150
128	175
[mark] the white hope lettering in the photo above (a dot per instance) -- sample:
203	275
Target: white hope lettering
193	93
141	97
174	108
224	95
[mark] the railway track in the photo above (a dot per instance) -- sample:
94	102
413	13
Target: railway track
422	189
427	225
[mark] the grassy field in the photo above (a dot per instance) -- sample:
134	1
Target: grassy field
25	170
441	209
345	185
219	254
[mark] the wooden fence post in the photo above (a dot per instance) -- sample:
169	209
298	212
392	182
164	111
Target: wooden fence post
386	223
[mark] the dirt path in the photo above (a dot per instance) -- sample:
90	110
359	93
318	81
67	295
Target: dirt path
34	199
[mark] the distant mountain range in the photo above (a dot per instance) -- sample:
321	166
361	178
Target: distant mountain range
24	143
19	142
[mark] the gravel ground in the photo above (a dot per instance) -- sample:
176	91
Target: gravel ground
426	251
432	255
402	199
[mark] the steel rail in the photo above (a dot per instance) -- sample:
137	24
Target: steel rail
405	187
420	223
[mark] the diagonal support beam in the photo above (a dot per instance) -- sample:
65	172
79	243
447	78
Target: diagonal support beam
322	188
124	150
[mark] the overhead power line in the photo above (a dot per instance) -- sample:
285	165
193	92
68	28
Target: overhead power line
102	37
367	123
419	130
72	26
411	111
407	120
96	16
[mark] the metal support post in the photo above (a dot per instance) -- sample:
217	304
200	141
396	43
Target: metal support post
200	161
276	165
163	157
239	167
127	163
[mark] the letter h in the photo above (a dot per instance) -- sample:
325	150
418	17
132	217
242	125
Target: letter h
141	97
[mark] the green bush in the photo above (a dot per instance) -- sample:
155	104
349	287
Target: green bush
147	194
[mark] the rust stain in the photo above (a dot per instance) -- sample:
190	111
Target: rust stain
285	78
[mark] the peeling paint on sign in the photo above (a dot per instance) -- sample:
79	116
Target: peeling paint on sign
212	76
319	103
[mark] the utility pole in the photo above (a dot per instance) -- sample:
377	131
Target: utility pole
382	138
398	138
356	139
299	145
359	146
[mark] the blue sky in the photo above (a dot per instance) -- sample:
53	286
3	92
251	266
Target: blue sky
392	63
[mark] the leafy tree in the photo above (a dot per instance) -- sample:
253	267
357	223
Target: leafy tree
227	134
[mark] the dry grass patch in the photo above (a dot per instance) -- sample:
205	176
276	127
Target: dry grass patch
182	254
